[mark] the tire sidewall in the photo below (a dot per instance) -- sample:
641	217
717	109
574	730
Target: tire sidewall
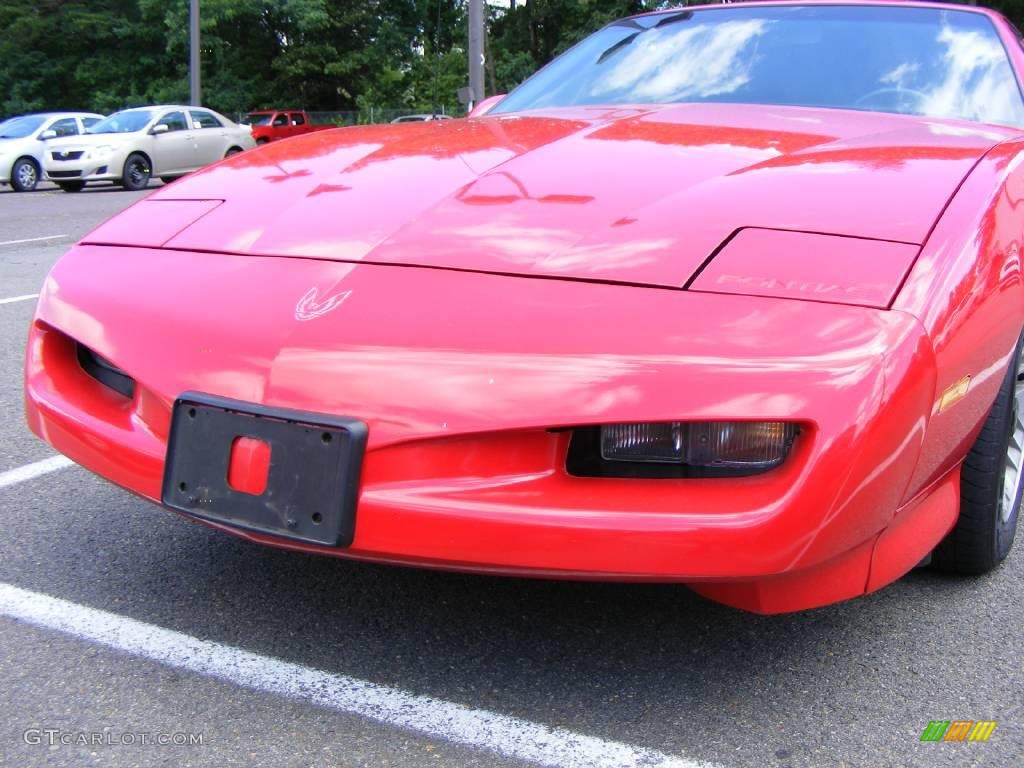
15	173
1005	531
126	179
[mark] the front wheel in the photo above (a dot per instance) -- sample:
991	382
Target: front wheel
232	151
136	173
25	175
71	186
990	484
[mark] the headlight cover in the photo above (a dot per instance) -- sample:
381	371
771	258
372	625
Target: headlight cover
809	267
150	223
680	449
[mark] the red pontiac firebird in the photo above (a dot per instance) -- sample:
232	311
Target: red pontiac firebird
729	296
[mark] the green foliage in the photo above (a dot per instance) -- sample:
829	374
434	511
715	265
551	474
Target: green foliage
313	54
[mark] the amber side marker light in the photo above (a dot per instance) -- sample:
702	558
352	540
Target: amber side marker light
954	393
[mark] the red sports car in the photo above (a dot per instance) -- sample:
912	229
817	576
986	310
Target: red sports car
728	296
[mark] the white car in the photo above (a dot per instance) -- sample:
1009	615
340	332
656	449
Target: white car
23	142
133	145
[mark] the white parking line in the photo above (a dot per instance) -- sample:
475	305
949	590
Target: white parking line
32	240
13	299
29	471
476	728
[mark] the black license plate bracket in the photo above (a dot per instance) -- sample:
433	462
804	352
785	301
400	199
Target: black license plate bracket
313	480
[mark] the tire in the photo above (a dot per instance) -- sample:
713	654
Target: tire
261	142
24	174
137	171
990	484
71	186
232	151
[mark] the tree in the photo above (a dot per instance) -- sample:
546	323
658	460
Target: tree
313	54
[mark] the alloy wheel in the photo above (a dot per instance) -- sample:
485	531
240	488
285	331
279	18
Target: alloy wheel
1014	465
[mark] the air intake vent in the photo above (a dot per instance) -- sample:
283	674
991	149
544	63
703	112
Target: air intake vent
105	372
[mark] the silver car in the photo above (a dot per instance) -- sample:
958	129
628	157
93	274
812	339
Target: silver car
23	142
133	145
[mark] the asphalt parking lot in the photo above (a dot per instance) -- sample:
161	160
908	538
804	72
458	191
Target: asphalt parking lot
117	618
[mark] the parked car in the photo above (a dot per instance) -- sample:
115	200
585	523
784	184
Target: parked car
132	145
271	125
715	298
420	118
23	142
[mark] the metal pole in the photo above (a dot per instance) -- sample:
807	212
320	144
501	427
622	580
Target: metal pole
193	63
476	49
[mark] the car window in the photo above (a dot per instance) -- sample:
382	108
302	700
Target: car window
127	121
280	120
298	118
201	119
175	121
66	126
258	118
928	60
89	122
20	127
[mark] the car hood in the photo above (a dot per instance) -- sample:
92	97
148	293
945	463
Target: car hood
16	145
637	195
88	140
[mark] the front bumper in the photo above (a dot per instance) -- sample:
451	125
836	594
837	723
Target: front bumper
461	388
102	168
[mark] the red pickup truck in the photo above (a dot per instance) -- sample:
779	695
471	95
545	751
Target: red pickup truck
271	125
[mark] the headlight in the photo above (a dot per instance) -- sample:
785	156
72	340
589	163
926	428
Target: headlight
680	449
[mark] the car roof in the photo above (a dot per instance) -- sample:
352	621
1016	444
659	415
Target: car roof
165	106
71	113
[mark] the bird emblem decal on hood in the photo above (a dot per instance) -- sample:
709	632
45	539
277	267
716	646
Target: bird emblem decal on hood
309	308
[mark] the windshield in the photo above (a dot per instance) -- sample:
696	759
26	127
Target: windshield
923	61
20	127
123	122
258	118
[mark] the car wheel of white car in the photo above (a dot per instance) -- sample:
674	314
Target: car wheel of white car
136	173
232	151
25	174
